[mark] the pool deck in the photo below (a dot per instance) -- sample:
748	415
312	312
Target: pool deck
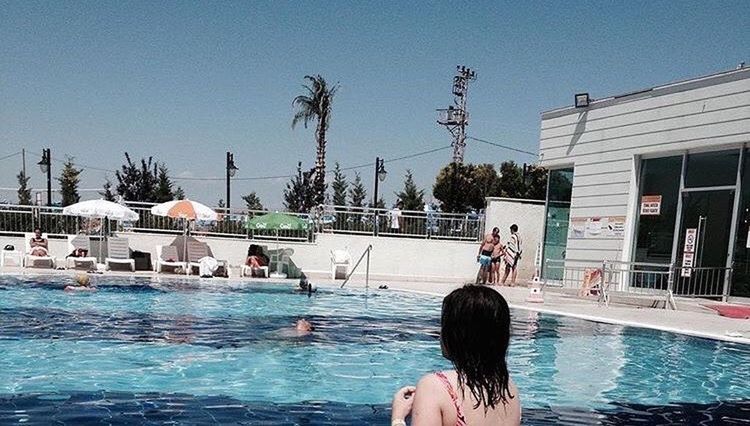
694	321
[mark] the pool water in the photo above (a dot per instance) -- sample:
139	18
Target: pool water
145	352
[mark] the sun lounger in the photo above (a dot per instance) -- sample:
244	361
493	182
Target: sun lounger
247	271
196	251
167	256
118	251
75	243
29	260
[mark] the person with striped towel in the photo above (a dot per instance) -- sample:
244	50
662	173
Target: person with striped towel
512	255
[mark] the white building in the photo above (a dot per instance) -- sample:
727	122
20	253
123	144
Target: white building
634	175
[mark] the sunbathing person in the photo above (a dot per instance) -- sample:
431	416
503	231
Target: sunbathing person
256	259
39	245
474	336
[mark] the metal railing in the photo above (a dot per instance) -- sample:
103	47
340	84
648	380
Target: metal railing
652	280
325	219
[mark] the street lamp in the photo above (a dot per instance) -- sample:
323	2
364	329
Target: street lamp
231	171
380	175
46	166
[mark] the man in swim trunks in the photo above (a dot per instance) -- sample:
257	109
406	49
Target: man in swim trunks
484	257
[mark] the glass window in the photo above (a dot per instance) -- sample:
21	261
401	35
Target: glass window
712	169
659	181
558	215
741	272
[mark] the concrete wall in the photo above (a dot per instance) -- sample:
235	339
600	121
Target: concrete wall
402	259
528	215
606	141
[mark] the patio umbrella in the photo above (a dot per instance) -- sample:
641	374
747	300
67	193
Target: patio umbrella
187	210
101	209
277	221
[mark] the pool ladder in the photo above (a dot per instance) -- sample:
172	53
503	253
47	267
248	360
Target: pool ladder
365	254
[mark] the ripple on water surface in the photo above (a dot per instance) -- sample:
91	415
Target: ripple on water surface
150	345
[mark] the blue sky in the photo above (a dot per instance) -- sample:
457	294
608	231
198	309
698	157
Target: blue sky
185	82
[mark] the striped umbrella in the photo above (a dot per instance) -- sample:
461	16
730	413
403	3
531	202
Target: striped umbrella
188	210
185	209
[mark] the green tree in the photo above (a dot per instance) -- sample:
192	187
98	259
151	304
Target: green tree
357	193
163	191
412	197
179	194
107	193
69	180
340	186
316	105
511	180
136	183
453	186
299	195
252	201
24	192
379	205
535	181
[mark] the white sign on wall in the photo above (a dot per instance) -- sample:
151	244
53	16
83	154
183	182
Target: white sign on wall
690	236
651	205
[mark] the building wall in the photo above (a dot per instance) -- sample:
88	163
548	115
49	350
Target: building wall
528	215
605	142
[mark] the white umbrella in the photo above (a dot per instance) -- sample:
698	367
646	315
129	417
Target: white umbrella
101	209
188	210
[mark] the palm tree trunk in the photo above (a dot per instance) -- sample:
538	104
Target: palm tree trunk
320	162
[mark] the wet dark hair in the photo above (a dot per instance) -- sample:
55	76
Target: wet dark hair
514	228
495	230
475	335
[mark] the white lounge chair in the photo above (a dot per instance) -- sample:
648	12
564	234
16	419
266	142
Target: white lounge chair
163	256
118	251
196	251
28	259
340	263
79	242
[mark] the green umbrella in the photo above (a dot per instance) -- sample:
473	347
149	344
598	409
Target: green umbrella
277	222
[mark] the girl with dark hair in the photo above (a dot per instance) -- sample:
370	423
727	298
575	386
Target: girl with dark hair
475	333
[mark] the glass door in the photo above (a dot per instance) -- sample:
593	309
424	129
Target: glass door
704	241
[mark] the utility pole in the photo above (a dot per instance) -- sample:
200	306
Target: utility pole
456	117
23	159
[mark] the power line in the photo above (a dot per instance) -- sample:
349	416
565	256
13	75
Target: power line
10	155
502	146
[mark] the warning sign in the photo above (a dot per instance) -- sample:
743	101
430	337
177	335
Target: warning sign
690	235
651	205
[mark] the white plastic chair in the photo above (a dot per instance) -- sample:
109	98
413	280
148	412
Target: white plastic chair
340	262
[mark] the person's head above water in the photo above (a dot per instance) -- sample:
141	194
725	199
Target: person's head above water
304	325
475	333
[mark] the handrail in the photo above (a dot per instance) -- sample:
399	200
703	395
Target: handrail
367	271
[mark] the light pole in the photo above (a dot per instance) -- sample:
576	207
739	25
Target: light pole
380	174
231	170
45	165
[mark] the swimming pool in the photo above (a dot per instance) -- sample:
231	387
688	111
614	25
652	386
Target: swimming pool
139	351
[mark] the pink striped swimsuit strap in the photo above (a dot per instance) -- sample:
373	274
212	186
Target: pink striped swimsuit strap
460	419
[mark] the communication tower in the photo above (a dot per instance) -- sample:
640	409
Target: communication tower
455	118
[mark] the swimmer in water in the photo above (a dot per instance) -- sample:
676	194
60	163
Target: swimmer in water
84	284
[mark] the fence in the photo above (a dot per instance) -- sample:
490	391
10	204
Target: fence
638	278
333	219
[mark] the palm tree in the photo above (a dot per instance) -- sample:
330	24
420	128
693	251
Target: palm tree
316	104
